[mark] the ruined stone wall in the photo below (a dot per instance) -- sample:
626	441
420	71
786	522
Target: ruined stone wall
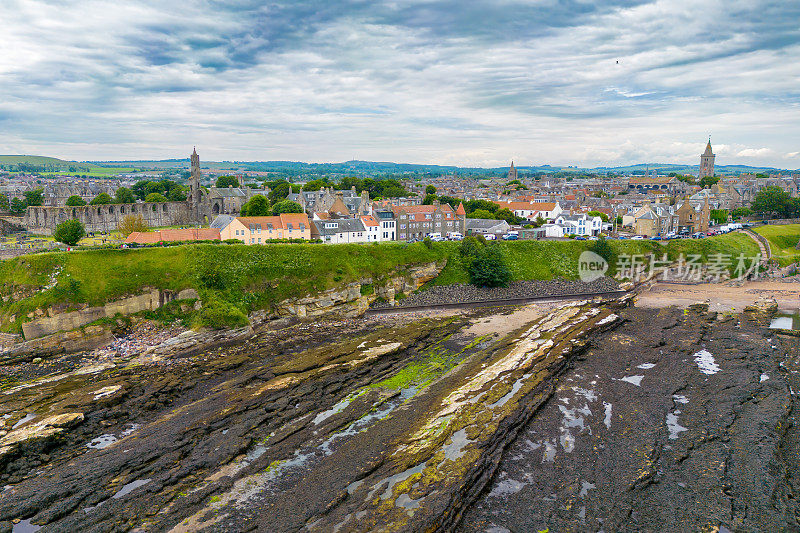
107	217
56	322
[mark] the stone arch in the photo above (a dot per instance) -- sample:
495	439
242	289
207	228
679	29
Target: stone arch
155	208
133	209
215	210
111	210
99	213
164	208
122	210
74	213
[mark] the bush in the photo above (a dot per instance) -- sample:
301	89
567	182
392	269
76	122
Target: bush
470	248
69	232
219	314
428	243
602	248
489	268
131	223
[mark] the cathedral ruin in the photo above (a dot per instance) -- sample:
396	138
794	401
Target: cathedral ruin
200	207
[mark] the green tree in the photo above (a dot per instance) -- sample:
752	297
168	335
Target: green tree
155	197
279	192
429	199
507	215
4	205
155	187
740	212
226	182
473	205
315	185
125	196
102	198
430	189
75	201
139	189
69	232
34	197
707	181
286	206
481	213
771	201
719	215
17	206
257	206
489	268
177	194
600	214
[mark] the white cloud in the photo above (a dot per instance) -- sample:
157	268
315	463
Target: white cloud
403	81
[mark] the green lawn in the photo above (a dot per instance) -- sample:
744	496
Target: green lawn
782	241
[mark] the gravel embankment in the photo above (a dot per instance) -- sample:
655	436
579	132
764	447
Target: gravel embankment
463	293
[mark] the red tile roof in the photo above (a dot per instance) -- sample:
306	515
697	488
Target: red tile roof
174	235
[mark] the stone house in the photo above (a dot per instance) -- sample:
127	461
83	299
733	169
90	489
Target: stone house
419	221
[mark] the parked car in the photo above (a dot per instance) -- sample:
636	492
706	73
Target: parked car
580	238
637	238
490	237
511	236
655	238
455	236
698	235
436	237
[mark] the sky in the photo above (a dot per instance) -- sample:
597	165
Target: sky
451	82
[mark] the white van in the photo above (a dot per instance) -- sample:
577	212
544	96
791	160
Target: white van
435	237
455	236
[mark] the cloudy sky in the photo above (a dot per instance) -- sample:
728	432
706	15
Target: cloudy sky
465	82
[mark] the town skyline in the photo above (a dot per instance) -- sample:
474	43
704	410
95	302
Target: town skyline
561	83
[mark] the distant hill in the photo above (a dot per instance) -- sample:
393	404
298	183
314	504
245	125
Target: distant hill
298	168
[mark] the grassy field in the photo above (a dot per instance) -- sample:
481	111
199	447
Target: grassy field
782	241
236	279
56	168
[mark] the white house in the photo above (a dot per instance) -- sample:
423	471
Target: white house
532	210
580	224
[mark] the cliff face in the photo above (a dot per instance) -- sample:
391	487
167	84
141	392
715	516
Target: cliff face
353	300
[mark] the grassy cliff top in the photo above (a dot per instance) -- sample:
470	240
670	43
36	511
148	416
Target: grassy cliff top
237	279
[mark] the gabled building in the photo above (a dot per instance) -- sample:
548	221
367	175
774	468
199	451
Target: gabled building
258	230
532	210
419	221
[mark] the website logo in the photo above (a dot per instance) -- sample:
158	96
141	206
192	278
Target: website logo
591	267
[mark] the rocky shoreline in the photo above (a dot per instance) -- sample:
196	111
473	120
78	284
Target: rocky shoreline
464	293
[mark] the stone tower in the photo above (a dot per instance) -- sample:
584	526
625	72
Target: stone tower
195	192
706	162
512	172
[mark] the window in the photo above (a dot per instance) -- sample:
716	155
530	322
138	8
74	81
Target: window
402	226
438	215
427	216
